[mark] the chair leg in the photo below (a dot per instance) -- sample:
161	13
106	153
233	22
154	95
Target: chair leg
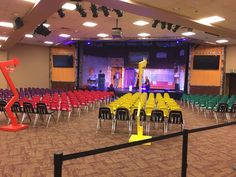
5	115
215	115
49	118
113	126
148	125
69	113
130	127
165	127
98	125
227	117
17	116
8	121
79	111
35	120
58	115
23	118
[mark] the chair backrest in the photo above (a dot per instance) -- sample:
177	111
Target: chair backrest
16	107
175	117
122	114
2	105
104	113
41	108
222	107
28	107
233	108
157	116
142	114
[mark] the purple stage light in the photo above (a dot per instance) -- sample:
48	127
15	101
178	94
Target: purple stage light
69	42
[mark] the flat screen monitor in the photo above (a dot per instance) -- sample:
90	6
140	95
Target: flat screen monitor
63	61
206	62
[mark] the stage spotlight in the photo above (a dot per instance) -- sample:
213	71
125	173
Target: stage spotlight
175	28
19	23
119	13
94	10
42	30
155	22
61	13
163	25
169	26
105	11
80	9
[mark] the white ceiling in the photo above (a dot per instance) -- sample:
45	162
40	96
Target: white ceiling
196	9
9	10
72	22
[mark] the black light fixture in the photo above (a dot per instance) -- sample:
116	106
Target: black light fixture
119	13
163	25
61	13
176	28
105	11
94	10
169	26
81	10
155	23
18	23
42	30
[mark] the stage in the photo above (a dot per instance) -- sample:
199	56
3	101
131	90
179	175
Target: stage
173	93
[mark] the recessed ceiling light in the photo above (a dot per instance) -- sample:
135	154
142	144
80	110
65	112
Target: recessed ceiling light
220	41
32	1
69	6
46	25
128	1
141	23
189	33
208	42
143	34
102	35
48	42
29	35
6	24
3	38
64	35
90	24
210	20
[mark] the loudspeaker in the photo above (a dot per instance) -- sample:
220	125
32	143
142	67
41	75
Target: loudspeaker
19	23
42	30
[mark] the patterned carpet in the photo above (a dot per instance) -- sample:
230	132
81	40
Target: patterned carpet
29	153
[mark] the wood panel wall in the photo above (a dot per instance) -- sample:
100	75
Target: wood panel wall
204	81
63	74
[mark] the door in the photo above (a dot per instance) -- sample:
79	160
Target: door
116	77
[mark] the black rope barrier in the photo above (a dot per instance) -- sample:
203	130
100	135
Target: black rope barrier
59	157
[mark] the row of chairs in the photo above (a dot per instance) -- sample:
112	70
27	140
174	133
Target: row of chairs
211	105
40	111
123	114
61	104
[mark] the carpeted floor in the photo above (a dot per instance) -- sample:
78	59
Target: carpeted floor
29	153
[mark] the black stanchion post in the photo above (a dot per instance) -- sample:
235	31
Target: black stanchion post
58	160
184	153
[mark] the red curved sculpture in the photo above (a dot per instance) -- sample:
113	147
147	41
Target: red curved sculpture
14	126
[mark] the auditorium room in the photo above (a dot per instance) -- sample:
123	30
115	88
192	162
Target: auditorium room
117	88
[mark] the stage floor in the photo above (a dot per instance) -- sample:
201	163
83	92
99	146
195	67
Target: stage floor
173	93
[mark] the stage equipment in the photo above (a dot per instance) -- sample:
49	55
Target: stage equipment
6	67
139	136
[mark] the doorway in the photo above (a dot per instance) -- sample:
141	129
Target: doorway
116	77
